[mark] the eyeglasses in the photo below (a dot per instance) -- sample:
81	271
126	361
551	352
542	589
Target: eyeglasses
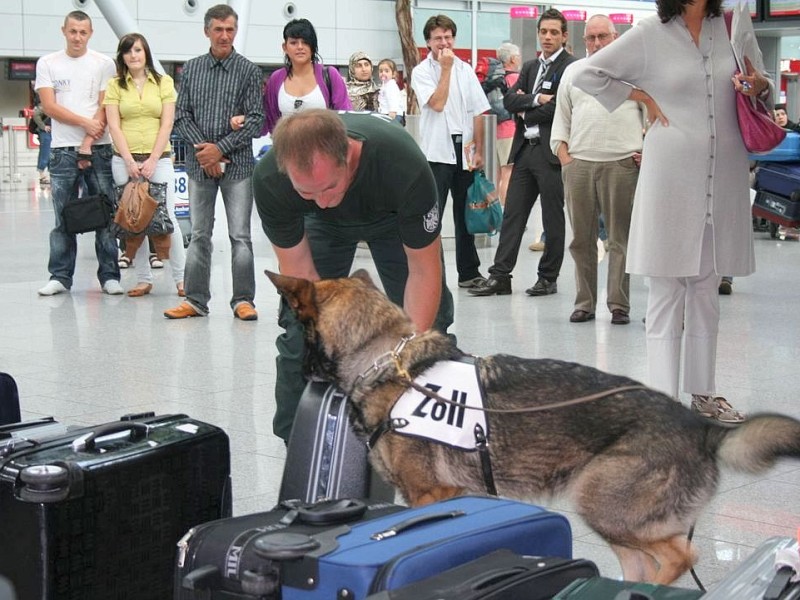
298	103
600	37
443	38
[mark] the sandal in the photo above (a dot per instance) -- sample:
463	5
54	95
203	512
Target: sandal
716	407
181	291
141	289
155	262
124	262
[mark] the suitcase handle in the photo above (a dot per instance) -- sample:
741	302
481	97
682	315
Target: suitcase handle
414	522
87	441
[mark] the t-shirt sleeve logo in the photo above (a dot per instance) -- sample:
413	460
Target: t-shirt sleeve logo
431	220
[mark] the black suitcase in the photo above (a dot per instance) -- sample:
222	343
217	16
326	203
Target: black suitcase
96	513
325	458
778	193
501	575
9	400
224	560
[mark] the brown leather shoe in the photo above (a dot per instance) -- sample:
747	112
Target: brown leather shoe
182	311
619	317
580	316
245	312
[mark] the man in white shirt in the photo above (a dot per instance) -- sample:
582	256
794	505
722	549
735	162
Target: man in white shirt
451	132
599	153
71	84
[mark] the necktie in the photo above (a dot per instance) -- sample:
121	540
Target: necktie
543	66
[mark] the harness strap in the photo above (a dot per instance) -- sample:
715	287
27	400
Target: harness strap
486	460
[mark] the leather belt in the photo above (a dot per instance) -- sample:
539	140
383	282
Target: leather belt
144	157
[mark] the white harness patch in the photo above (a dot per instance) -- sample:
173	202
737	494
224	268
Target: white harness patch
415	414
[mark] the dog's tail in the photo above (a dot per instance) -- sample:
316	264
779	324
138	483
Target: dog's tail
756	444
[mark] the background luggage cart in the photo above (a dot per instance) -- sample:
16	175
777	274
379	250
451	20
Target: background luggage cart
182	211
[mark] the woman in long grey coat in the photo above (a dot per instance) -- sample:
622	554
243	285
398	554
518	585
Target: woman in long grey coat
691	219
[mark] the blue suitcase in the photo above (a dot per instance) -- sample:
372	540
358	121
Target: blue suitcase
787	151
778	193
387	553
354	559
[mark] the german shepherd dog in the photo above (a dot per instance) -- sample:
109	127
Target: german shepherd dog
638	466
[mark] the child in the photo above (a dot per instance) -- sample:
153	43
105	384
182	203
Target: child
390	100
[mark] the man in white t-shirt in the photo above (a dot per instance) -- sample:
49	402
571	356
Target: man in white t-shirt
71	84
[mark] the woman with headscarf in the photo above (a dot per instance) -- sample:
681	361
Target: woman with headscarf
361	88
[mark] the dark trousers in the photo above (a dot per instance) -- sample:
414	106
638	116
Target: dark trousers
454	179
333	247
533	175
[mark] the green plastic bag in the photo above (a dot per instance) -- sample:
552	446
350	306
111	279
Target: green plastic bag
483	213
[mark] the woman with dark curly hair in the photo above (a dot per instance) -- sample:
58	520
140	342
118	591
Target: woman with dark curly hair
304	82
691	219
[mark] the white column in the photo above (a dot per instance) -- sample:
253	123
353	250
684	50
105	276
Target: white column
121	22
242	8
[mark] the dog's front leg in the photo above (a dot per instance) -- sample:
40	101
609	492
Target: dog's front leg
420	497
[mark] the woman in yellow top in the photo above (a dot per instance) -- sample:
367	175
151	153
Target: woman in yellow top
140	109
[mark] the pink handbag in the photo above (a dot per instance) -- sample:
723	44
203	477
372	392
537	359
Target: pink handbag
760	133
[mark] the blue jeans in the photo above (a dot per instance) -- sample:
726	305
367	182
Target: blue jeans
237	195
65	180
45	137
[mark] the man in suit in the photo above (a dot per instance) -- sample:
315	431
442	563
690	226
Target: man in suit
537	170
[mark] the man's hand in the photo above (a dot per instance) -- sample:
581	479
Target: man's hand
446	58
208	155
545	98
94	128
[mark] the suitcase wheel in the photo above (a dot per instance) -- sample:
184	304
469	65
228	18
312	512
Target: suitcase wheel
261	584
44	483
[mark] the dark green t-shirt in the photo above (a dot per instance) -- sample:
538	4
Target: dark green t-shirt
393	178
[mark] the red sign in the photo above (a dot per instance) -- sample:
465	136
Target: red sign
524	12
621	18
574	15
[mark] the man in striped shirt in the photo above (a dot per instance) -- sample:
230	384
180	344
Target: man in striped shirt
214	88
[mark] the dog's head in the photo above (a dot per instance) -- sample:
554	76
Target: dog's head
341	317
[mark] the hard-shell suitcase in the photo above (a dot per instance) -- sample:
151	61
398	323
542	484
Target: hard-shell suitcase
222	559
787	151
760	576
325	458
501	575
778	193
96	513
9	400
602	588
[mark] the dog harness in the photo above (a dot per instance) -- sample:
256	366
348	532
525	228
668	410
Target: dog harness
459	422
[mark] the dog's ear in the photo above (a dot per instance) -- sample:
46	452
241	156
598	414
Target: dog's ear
363	275
299	293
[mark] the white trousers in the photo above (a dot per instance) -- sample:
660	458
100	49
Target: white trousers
684	310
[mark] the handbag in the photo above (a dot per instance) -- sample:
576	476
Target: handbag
135	210
483	212
760	133
160	223
85	214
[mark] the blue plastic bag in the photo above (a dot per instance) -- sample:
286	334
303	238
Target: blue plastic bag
483	213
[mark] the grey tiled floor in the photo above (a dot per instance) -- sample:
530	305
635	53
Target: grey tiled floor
85	358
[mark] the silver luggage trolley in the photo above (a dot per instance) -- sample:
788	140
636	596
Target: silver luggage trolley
182	210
